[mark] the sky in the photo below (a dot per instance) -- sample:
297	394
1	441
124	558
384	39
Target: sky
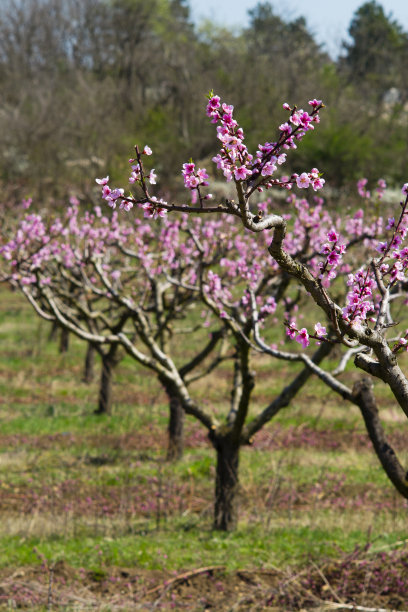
328	20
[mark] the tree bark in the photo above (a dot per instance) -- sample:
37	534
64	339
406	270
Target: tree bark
105	387
226	484
89	364
63	336
365	400
175	430
53	331
64	340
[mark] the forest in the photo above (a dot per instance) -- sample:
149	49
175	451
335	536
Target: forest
204	385
81	79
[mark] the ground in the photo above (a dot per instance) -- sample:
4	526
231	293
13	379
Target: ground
92	517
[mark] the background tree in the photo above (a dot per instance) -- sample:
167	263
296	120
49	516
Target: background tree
129	288
66	68
377	51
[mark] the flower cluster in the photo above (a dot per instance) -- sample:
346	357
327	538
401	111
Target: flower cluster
312	178
393	263
255	172
303	336
234	159
137	176
111	196
359	299
194	179
334	252
361	188
237	163
153	208
366	194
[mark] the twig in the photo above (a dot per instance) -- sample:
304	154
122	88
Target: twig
186	576
344	606
327	583
50	581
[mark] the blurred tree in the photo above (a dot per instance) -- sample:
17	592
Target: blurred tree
83	80
377	51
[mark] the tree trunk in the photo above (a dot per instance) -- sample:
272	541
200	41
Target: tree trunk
226	484
89	364
105	388
53	331
64	340
175	429
364	398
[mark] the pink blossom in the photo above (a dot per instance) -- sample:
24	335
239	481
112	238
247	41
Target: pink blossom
304	119
332	236
318	183
333	258
269	307
382	186
147	150
286	128
213	103
227	119
105	191
291	331
202	175
268	169
152	177
303	181
303	337
382	247
126	205
295	118
241	173
361	183
191	181
218	161
102	181
320	330
188	168
149	208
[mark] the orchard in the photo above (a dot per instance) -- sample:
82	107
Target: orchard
192	293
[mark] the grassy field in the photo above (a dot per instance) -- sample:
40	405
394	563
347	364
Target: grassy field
92	517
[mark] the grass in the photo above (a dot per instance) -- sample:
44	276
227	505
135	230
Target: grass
185	546
95	493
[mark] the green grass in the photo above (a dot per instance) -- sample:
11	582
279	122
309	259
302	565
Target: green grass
183	545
